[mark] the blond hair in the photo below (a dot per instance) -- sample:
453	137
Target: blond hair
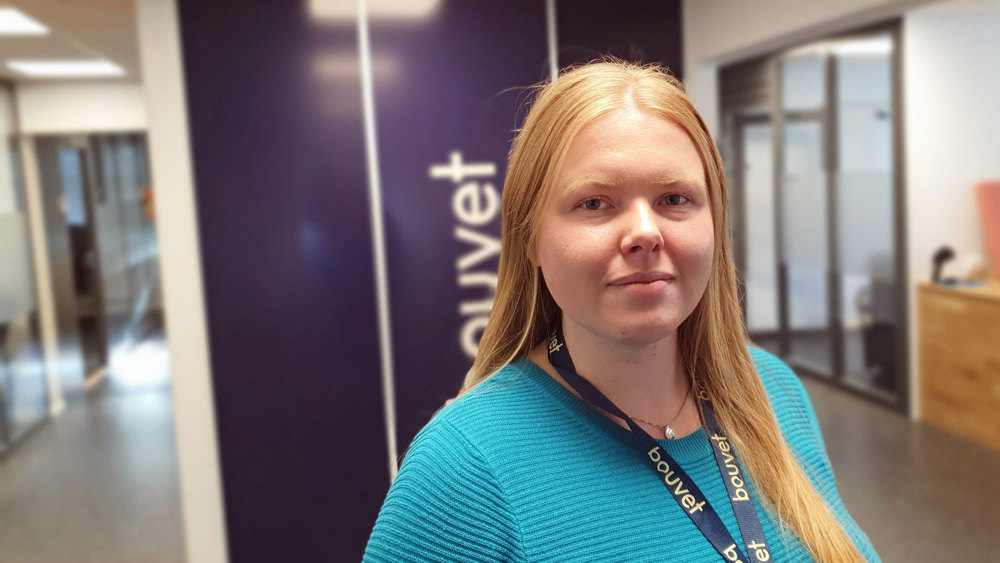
712	340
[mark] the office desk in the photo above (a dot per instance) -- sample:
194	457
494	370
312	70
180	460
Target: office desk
959	355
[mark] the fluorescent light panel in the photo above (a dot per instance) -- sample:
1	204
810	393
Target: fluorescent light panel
15	22
65	69
347	10
873	47
862	47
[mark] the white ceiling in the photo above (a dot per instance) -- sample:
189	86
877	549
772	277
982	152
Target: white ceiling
78	30
985	7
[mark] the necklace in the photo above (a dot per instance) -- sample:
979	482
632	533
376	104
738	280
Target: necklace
668	432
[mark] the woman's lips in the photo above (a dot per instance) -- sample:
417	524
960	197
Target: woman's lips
641	288
643	278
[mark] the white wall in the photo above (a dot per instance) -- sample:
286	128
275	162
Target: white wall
80	107
180	266
952	85
952	115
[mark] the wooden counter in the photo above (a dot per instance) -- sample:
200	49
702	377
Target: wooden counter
959	355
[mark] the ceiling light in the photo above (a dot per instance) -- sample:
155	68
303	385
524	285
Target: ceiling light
15	22
347	10
860	47
871	47
65	69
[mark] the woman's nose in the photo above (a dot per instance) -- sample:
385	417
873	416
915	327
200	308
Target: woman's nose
642	233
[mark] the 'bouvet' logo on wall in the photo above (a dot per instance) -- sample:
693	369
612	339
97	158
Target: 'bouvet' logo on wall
474	204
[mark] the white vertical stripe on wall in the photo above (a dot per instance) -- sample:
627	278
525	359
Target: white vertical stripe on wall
378	240
180	260
553	38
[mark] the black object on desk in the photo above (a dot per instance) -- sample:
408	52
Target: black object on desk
941	257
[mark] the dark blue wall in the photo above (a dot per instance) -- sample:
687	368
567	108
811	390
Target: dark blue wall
647	31
283	215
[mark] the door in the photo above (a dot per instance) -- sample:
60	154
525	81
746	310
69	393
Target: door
803	213
759	251
817	209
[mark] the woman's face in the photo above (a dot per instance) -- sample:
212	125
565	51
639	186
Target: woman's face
625	240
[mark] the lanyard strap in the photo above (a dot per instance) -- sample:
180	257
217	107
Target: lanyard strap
733	477
678	483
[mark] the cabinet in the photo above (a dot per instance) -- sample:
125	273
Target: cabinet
959	355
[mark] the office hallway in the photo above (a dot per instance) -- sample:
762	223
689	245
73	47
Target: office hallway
99	482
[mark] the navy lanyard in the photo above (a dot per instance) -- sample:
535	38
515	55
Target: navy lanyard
680	485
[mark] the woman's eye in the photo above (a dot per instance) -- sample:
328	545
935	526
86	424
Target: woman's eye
675	199
593	204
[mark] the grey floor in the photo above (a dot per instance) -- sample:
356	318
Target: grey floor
99	482
920	493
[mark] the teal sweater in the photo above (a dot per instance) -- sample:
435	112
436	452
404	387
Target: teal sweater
519	469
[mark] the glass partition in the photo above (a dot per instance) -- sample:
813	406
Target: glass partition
805	256
760	274
22	373
811	162
864	193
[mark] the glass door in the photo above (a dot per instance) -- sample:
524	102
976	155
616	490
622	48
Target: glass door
803	213
810	140
760	273
865	201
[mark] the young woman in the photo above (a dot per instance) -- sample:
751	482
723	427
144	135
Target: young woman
614	411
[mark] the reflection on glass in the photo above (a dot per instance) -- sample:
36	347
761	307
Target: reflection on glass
22	376
126	235
865	214
805	244
802	83
761	259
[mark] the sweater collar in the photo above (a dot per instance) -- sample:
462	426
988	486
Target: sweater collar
690	448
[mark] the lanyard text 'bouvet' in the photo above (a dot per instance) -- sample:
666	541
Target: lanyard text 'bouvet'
678	483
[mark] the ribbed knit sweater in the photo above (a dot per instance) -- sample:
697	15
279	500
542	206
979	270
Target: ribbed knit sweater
520	469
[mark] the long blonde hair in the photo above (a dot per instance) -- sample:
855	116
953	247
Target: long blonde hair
712	340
